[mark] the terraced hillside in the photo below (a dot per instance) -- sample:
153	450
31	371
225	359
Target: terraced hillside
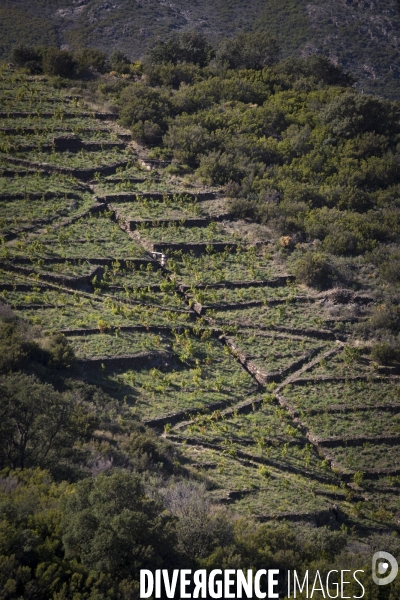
193	320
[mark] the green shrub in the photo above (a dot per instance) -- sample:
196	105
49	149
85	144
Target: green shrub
58	62
350	114
318	68
18	344
389	268
384	318
188	141
119	62
28	57
61	354
248	51
171	75
218	168
39	425
184	47
111	526
145	110
91	59
22	345
384	353
149	452
313	269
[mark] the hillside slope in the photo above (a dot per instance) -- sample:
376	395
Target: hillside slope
218	395
361	35
267	387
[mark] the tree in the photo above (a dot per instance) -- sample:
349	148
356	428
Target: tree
350	114
28	57
58	62
91	59
113	527
19	346
186	47
313	269
384	353
145	110
200	528
316	66
187	141
38	425
248	51
119	62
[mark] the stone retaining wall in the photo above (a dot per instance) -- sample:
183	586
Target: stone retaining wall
200	308
143	360
39	196
135	196
79	173
143	328
335	442
231	285
72	282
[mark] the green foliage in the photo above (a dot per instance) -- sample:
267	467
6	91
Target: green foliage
383	319
306	155
317	68
91	59
185	47
200	528
148	452
60	351
145	111
248	51
22	346
112	526
40	425
351	114
313	269
30	525
171	75
16	344
58	62
384	353
27	57
24	26
119	62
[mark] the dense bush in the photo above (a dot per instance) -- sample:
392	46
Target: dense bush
58	62
318	67
248	51
39	425
384	353
119	62
27	57
22	345
89	59
145	111
351	114
384	319
112	526
171	75
185	47
313	269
